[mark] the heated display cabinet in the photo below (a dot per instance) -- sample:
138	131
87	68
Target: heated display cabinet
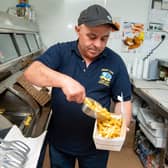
21	103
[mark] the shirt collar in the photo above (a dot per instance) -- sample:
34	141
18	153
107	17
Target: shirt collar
76	50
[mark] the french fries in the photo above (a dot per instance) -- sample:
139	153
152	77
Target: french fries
108	125
100	112
110	128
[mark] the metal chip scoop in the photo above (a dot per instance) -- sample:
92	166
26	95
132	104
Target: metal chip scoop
94	109
15	144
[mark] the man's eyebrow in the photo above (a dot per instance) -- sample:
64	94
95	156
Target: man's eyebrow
90	33
95	35
107	35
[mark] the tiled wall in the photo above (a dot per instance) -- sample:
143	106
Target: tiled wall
57	18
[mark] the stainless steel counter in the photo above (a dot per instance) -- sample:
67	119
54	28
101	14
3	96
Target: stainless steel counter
155	94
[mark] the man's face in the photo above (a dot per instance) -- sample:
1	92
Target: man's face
92	40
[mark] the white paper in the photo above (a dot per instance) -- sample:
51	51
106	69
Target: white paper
35	145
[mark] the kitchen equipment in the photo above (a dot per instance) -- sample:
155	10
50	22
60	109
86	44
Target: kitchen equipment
42	96
4	123
94	109
16	145
17	114
10	152
138	68
163	70
20	44
7	163
134	68
153	73
151	69
13	154
17	106
146	67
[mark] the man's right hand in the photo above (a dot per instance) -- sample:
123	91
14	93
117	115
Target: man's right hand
72	89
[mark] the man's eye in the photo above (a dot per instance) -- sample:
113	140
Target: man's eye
104	39
92	37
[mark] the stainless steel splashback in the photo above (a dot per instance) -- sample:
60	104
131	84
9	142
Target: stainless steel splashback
17	36
15	24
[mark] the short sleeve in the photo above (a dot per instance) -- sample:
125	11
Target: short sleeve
51	57
121	84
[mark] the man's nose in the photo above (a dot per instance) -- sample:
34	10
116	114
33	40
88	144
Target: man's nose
98	43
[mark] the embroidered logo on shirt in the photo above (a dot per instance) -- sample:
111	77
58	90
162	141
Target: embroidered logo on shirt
105	77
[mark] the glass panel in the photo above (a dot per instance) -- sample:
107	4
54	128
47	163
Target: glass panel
23	47
32	42
39	42
7	48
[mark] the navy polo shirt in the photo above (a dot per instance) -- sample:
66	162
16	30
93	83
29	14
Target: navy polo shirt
70	130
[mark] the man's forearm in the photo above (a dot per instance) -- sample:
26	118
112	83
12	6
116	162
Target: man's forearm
127	110
40	75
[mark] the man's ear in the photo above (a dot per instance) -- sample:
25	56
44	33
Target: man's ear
117	24
77	29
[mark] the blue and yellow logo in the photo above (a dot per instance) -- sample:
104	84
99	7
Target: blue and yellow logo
105	77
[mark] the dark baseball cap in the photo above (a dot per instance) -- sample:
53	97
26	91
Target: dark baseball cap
96	15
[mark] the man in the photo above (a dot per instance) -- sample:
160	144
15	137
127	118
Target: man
74	70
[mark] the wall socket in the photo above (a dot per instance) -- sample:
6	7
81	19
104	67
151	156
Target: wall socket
155	26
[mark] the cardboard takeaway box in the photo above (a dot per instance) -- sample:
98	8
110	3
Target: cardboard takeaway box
111	144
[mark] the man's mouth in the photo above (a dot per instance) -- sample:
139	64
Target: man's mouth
93	51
